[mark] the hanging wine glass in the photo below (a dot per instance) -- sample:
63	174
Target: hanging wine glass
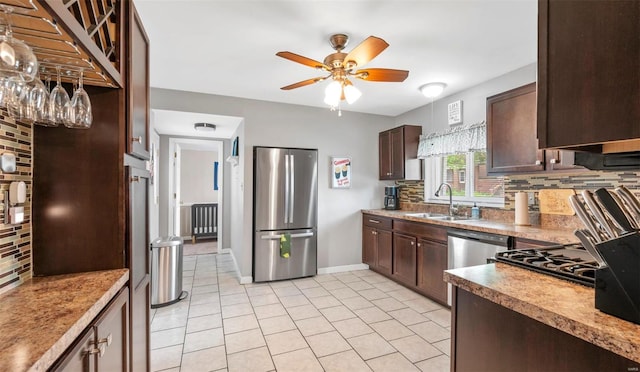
17	96
80	108
58	102
48	119
17	60
37	104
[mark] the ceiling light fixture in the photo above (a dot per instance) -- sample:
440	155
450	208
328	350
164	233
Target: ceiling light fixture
204	127
432	90
339	90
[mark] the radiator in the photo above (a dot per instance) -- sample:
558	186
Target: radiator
204	221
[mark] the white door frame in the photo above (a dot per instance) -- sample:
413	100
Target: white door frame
174	179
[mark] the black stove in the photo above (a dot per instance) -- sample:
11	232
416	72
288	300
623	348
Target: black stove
571	262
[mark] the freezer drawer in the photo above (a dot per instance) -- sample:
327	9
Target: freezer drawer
267	263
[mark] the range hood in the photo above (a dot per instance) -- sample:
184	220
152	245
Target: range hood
612	161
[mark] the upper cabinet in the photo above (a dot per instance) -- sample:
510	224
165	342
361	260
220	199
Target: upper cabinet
588	80
512	146
138	87
398	151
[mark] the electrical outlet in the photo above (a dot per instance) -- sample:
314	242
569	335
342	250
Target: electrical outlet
531	198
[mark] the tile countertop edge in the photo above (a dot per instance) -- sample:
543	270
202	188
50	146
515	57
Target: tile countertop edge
605	337
118	278
559	236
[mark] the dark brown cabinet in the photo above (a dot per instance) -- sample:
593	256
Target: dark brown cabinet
377	243
104	345
432	262
511	126
404	258
138	84
588	63
398	150
512	146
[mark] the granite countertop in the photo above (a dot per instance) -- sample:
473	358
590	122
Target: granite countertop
41	318
560	236
555	302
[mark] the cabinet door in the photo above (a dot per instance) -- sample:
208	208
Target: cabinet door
396	137
140	326
369	246
385	251
112	334
511	132
82	357
138	88
384	154
432	261
560	160
404	258
588	59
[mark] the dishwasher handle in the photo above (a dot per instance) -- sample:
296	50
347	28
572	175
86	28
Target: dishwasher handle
495	239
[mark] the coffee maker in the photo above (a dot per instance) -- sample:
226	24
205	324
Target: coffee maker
392	197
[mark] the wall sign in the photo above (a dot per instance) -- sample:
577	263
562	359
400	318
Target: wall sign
340	172
454	112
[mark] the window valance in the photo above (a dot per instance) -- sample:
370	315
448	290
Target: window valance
457	140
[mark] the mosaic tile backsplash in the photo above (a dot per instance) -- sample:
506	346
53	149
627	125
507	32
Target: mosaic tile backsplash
15	240
412	193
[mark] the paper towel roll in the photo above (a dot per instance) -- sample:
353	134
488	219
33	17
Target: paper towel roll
522	209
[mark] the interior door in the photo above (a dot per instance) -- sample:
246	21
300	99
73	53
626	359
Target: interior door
271	188
175	201
304	188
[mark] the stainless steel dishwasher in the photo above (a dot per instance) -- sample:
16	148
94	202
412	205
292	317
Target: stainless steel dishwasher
471	248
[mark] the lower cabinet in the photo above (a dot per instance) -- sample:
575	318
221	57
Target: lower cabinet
404	258
432	261
377	243
104	345
411	253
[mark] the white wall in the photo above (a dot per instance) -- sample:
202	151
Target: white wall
196	175
154	198
283	125
474	101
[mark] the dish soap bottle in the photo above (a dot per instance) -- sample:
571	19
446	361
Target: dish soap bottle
475	212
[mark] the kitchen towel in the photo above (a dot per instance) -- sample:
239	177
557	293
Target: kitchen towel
522	209
285	245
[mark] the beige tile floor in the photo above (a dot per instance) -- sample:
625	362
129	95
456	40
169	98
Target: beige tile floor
201	247
351	321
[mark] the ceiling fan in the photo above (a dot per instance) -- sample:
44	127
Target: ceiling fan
341	66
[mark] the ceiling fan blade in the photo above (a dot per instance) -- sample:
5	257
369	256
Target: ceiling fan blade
365	52
303	60
303	83
382	74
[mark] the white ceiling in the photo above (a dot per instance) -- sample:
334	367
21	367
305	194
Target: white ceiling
228	47
181	123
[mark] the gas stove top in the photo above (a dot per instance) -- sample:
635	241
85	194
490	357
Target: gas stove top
571	262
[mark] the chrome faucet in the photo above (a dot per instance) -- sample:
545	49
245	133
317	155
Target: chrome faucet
452	210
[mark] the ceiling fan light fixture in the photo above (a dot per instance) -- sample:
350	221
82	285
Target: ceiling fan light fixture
432	90
332	93
351	93
204	127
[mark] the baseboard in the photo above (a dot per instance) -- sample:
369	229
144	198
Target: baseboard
243	279
340	269
225	251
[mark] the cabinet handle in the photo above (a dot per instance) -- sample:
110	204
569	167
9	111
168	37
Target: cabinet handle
418	244
137	139
411	243
553	161
538	162
374	232
135	179
107	340
374	221
98	350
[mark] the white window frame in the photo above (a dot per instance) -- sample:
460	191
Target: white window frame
433	178
462	175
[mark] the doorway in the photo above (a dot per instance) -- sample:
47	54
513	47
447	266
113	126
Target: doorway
195	178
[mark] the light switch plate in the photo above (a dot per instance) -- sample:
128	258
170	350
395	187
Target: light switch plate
8	162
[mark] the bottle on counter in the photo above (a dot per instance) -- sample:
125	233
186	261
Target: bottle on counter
475	212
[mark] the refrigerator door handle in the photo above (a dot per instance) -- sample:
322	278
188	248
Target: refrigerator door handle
292	196
278	236
287	171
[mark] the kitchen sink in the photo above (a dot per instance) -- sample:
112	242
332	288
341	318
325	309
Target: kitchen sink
426	215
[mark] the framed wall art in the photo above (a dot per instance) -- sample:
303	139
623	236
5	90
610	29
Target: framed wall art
340	172
454	112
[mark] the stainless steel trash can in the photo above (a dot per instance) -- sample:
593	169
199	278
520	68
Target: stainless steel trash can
166	271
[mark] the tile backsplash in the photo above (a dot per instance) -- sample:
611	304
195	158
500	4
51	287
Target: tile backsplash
15	240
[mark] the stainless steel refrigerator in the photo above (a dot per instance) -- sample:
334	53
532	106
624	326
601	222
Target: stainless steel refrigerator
285	197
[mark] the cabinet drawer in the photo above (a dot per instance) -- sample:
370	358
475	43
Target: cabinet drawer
377	222
421	229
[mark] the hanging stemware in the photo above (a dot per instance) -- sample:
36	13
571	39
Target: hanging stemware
58	102
80	115
37	105
17	60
